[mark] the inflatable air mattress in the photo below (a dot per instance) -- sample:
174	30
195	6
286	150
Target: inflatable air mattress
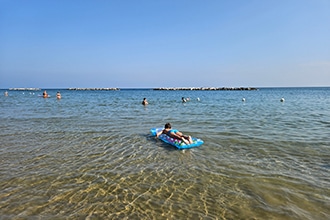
176	142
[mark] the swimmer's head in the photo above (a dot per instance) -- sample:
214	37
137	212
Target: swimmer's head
168	125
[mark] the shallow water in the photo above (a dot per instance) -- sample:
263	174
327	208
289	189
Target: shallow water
90	155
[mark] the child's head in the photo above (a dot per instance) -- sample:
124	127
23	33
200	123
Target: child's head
168	125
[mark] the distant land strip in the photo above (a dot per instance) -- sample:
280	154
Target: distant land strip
92	89
208	88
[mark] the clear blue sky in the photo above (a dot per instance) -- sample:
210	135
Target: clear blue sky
156	43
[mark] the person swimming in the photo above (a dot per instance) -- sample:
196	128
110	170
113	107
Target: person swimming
44	94
145	102
58	95
173	133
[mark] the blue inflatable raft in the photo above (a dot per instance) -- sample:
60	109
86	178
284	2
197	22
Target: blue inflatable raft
176	142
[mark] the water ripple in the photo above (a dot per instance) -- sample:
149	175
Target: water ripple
90	156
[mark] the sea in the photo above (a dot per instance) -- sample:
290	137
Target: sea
90	155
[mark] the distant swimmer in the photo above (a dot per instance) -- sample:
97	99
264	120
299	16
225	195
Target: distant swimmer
6	93
58	95
145	102
282	99
243	99
183	100
44	94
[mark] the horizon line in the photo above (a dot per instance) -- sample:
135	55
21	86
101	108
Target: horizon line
151	88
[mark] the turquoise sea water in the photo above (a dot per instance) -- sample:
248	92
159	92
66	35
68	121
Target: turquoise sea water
90	155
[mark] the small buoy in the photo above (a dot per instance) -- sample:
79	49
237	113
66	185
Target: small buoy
243	99
282	99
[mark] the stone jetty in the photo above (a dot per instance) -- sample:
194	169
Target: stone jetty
208	88
94	89
24	89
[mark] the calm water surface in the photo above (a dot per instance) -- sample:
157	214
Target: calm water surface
90	155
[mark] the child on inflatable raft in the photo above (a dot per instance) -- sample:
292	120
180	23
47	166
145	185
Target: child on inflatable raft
173	133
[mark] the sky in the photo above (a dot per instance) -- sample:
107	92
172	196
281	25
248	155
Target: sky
164	43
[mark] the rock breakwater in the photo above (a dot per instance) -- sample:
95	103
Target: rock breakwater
208	88
93	89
